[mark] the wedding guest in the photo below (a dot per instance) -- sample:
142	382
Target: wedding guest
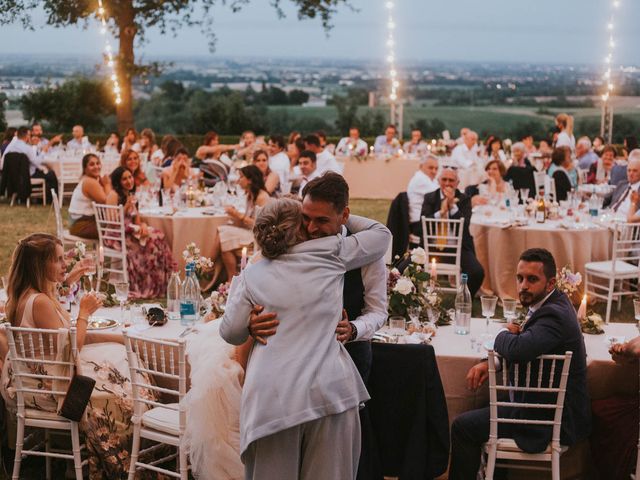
112	145
607	161
308	169
231	238
564	123
278	160
493	186
494	151
630	143
178	172
92	188
562	162
620	199
544	147
78	141
448	202
157	157
293	137
282	442
40	142
329	147
293	152
130	139
463	134
21	143
465	155
149	258
146	144
247	145
130	159
326	162
170	151
271	179
423	181
585	156
387	144
529	146
211	149
353	144
551	328
9	133
38	266
598	144
415	146
519	155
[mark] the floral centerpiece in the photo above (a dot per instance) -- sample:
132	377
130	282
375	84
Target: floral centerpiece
592	324
413	288
203	265
217	301
568	282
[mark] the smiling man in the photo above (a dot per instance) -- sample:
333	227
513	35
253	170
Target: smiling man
551	327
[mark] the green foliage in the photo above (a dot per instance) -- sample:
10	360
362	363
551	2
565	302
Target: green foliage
78	101
623	126
429	129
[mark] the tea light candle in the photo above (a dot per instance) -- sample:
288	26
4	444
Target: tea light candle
582	311
243	260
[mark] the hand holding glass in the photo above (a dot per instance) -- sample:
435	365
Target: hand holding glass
509	309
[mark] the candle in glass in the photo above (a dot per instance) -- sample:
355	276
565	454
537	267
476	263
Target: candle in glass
582	311
433	275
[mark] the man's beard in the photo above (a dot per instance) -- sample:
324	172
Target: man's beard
527	298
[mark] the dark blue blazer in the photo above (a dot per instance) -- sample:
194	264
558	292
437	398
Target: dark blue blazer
552	329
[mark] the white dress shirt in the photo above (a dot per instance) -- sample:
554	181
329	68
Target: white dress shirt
20	146
82	144
419	185
564	140
465	157
360	148
419	148
325	162
280	164
307	179
381	145
623	208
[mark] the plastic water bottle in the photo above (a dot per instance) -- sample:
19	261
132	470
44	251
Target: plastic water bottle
190	298
463	308
174	292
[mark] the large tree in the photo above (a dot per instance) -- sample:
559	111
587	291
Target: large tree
130	19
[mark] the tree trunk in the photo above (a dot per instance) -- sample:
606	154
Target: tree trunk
125	68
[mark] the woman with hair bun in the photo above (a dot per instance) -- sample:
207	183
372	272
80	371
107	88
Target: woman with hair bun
564	123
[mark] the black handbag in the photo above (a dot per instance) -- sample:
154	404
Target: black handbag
77	397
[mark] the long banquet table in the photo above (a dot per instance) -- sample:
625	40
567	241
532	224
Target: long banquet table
378	178
499	245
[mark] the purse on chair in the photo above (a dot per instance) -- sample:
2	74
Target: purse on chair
77	397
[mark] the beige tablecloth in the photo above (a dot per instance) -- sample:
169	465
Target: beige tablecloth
377	178
499	248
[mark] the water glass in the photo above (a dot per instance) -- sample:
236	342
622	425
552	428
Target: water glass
636	310
92	268
488	307
397	325
509	309
524	195
122	294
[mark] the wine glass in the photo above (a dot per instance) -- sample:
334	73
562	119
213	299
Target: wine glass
414	315
488	308
91	268
524	195
636	310
509	309
122	294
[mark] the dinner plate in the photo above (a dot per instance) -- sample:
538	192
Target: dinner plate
101	323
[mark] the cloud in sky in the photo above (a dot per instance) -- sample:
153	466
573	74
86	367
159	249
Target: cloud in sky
566	31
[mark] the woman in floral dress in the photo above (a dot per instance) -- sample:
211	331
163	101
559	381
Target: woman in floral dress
38	266
149	259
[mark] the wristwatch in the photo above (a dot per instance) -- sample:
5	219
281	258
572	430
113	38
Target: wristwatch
354	332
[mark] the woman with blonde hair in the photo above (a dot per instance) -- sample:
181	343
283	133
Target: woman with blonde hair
130	159
38	267
564	123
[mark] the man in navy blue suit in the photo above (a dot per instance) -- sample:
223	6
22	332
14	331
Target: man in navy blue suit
551	327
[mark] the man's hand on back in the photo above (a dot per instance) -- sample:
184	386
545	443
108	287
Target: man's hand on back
344	328
262	325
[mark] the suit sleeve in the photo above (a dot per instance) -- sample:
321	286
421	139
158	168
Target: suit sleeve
544	336
428	206
235	322
369	242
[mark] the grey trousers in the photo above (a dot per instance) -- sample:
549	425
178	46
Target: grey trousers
324	449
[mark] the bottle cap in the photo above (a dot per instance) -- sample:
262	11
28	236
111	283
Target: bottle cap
464	277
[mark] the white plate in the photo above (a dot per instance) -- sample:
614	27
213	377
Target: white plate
101	323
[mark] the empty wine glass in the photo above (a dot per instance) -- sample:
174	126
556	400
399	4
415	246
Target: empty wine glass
122	294
509	309
414	315
91	268
488	308
524	195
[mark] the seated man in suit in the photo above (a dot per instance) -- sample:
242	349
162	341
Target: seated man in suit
448	202
550	327
620	199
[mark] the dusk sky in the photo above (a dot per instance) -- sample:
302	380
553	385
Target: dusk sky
554	31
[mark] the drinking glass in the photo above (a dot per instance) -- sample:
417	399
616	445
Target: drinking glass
488	308
92	268
636	310
524	195
509	309
414	315
397	325
122	294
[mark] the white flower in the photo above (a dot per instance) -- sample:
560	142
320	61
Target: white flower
418	255
395	271
82	248
404	286
186	255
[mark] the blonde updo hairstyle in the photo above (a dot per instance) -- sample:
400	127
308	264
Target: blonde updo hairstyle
278	227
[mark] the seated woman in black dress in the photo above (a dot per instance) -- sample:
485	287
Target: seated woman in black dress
561	158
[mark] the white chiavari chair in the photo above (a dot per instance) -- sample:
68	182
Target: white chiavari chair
608	280
547	374
70	173
111	237
164	423
39	371
62	233
442	240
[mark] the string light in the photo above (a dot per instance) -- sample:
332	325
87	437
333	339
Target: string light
611	44
111	63
391	57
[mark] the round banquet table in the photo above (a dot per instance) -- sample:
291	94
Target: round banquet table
378	178
499	245
198	225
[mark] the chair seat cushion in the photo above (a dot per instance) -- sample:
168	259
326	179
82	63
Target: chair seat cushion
163	419
607	267
42	415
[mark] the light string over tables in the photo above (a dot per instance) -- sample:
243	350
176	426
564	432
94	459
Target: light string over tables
606	125
108	53
395	104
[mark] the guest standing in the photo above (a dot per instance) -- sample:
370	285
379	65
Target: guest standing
564	123
92	188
